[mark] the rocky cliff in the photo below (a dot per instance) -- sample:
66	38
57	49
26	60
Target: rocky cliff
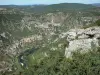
82	40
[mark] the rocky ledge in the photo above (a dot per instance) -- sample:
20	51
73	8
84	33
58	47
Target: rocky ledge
82	40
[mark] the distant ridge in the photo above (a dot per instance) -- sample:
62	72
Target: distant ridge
70	6
53	7
63	7
96	4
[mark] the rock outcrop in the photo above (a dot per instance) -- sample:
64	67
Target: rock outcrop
82	40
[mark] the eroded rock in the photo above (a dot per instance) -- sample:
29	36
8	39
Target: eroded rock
82	40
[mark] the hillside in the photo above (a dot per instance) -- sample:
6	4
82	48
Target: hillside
51	8
30	40
96	4
68	6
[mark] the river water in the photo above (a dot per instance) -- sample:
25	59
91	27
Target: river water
21	58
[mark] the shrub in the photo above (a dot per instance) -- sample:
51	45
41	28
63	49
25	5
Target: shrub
98	22
57	64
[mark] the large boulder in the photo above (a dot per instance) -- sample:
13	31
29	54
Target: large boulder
82	40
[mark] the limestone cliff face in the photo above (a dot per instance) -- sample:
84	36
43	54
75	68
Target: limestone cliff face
82	40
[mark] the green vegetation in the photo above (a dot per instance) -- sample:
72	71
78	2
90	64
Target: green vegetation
19	22
61	7
57	64
50	8
98	22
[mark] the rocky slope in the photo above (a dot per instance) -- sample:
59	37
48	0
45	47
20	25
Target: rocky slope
82	40
21	30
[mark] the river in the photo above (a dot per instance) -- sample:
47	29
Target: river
21	59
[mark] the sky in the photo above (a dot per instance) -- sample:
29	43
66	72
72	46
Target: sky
28	2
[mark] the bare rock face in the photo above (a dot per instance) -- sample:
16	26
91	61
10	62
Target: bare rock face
82	40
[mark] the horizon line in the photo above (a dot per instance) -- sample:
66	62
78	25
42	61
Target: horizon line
47	4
